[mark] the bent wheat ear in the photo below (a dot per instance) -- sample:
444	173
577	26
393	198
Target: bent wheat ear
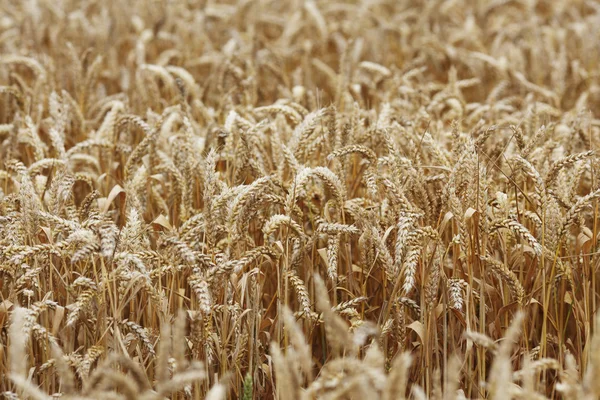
521	231
514	285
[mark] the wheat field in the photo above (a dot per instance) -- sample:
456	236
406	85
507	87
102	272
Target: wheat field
299	199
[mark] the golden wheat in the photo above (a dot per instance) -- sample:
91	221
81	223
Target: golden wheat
299	199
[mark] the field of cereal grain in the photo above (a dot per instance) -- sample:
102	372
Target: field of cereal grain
299	199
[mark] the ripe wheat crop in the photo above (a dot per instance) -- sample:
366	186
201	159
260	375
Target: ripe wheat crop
299	199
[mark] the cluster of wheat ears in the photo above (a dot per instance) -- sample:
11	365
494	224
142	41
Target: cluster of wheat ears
299	199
